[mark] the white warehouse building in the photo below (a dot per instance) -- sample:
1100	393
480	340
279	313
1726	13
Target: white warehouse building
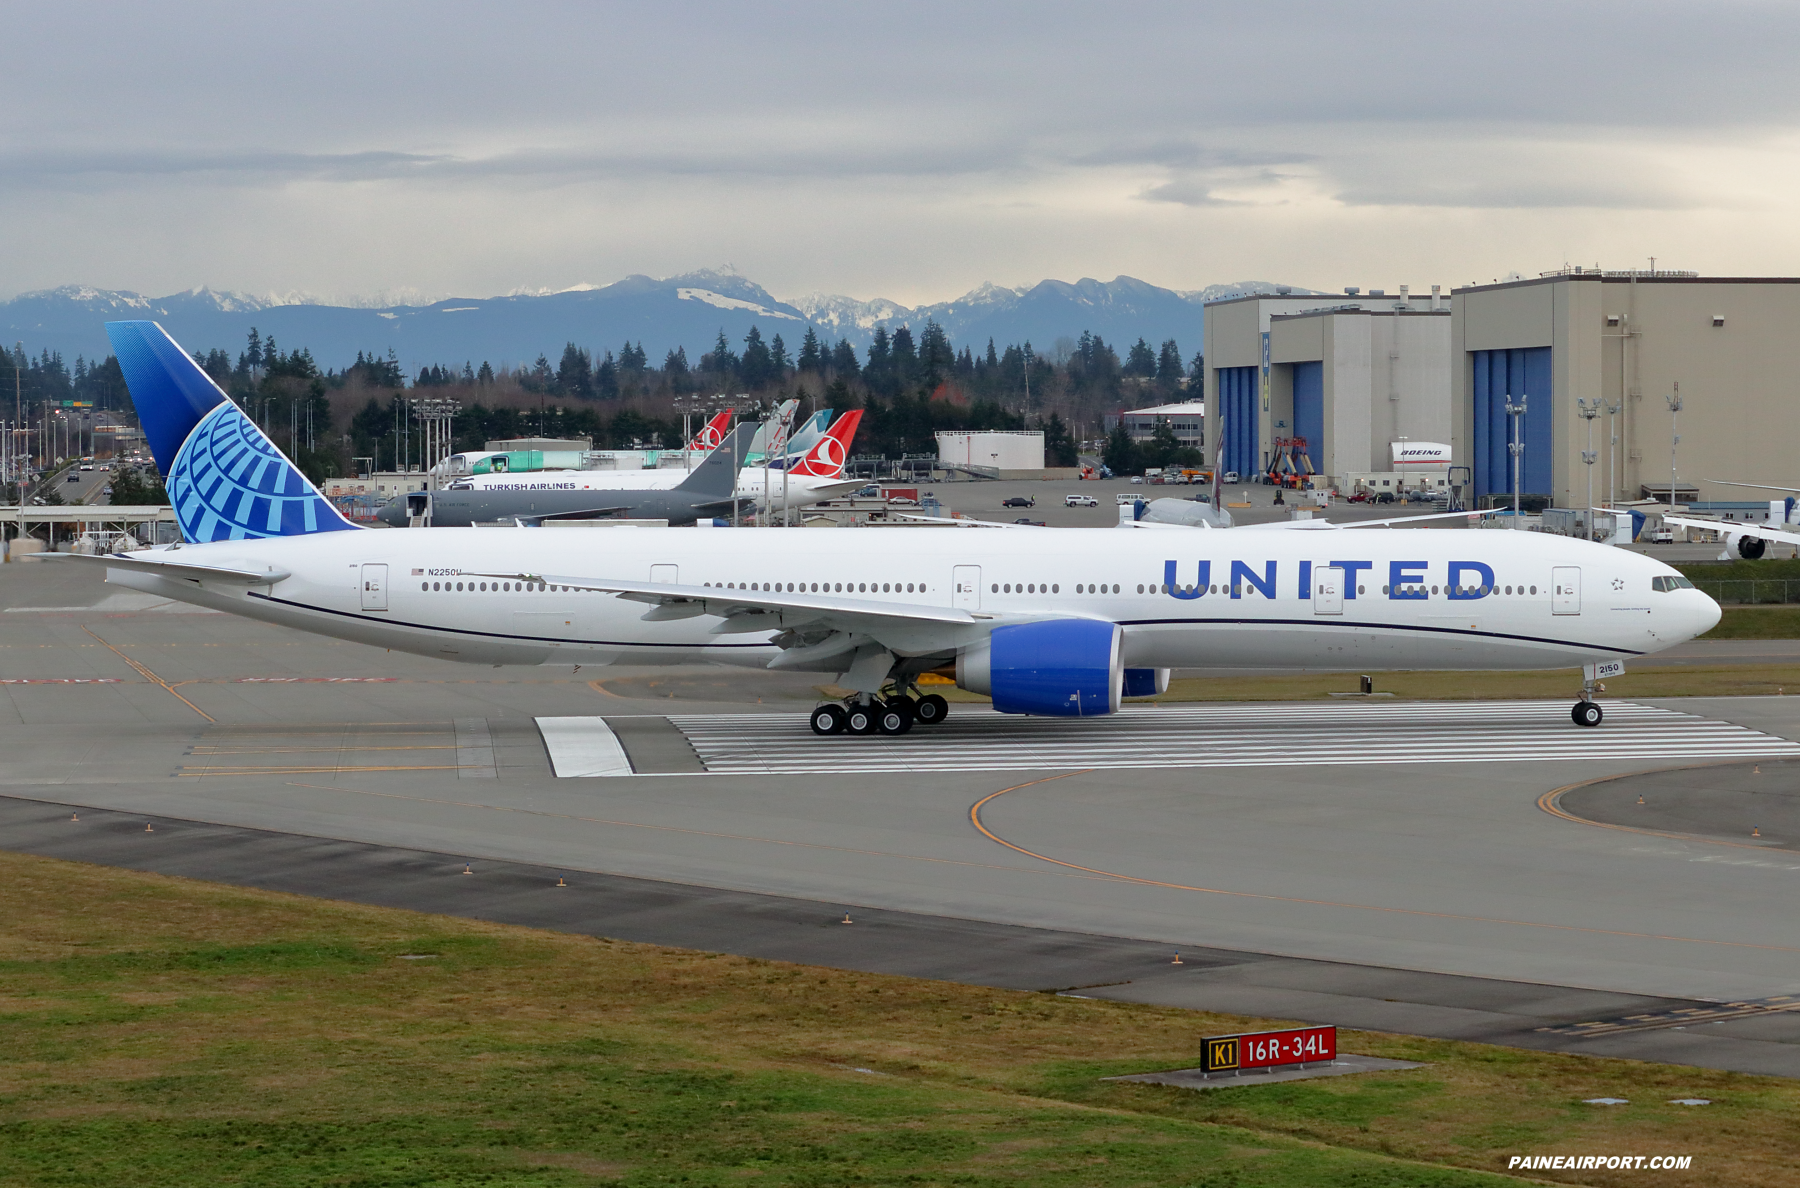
991	451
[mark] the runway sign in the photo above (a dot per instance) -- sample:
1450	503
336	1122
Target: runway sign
1269	1049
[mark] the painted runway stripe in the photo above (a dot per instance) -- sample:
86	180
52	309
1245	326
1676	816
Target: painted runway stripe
1227	736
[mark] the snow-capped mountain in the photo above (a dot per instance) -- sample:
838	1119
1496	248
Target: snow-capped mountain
687	311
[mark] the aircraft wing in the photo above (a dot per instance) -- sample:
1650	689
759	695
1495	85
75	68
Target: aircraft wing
268	575
1757	486
1730	529
812	627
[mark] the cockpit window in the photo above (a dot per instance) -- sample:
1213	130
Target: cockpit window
1664	584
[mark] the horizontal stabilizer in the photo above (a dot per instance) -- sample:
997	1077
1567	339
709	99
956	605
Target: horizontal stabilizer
265	576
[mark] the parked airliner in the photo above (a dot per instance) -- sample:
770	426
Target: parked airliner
1053	622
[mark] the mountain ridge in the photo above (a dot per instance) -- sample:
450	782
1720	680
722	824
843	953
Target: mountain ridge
687	310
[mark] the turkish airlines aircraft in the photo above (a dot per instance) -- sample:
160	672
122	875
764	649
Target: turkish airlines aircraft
814	478
1055	621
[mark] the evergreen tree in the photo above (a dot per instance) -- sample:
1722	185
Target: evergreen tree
1197	373
1121	453
937	359
1168	366
675	365
778	358
758	365
879	370
575	374
906	361
811	358
1059	443
485	376
721	361
1141	361
606	378
843	360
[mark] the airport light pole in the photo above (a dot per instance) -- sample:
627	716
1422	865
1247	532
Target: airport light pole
1516	447
1588	410
1674	399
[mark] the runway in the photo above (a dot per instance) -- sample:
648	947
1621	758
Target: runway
1331	857
1199	736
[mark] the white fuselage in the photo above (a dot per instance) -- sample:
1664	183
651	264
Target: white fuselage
1258	608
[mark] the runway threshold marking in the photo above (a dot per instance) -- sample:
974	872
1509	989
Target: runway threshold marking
1267	897
148	675
1200	736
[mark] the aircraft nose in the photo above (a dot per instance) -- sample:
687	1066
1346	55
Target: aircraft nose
390	514
1706	612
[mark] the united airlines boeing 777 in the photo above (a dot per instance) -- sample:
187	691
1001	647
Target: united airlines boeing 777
1052	621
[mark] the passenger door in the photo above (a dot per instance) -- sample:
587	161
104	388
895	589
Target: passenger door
1328	590
374	587
1565	590
965	584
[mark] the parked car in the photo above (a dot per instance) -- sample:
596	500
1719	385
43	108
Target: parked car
1080	501
902	501
1019	501
1137	480
1029	521
1231	476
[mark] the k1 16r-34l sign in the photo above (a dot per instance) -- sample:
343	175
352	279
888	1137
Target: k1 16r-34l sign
1269	1049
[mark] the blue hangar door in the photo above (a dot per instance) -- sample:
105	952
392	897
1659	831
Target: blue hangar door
1501	376
1238	391
1309	411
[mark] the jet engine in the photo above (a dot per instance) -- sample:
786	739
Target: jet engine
1058	668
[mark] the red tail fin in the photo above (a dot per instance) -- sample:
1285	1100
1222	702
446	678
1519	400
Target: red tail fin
709	437
826	459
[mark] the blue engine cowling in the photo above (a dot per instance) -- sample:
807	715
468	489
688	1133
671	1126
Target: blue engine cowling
1060	668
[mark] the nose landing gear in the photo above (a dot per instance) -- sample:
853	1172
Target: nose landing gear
1587	712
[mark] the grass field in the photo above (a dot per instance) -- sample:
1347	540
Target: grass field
159	1031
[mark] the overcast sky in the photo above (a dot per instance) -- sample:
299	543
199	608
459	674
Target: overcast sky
903	151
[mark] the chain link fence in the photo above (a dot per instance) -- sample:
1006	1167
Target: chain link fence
1752	591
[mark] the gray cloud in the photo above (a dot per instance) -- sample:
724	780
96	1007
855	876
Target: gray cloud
476	148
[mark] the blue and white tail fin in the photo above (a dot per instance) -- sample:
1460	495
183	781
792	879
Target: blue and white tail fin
225	478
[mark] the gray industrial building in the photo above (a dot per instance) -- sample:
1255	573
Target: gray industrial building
1350	374
1621	342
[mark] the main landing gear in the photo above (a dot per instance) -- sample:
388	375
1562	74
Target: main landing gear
893	713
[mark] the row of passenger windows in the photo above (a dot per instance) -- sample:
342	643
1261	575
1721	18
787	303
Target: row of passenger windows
1661	583
497	587
826	587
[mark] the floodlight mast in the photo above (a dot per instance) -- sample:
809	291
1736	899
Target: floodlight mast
1516	447
1674	399
1588	410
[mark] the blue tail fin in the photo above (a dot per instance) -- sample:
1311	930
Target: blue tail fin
226	479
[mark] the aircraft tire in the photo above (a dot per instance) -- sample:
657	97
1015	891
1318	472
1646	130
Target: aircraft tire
860	719
930	709
894	717
1586	713
828	719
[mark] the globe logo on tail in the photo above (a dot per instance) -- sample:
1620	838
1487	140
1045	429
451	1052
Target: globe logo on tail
229	482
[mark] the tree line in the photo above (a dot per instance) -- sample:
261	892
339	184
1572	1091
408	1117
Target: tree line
909	387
